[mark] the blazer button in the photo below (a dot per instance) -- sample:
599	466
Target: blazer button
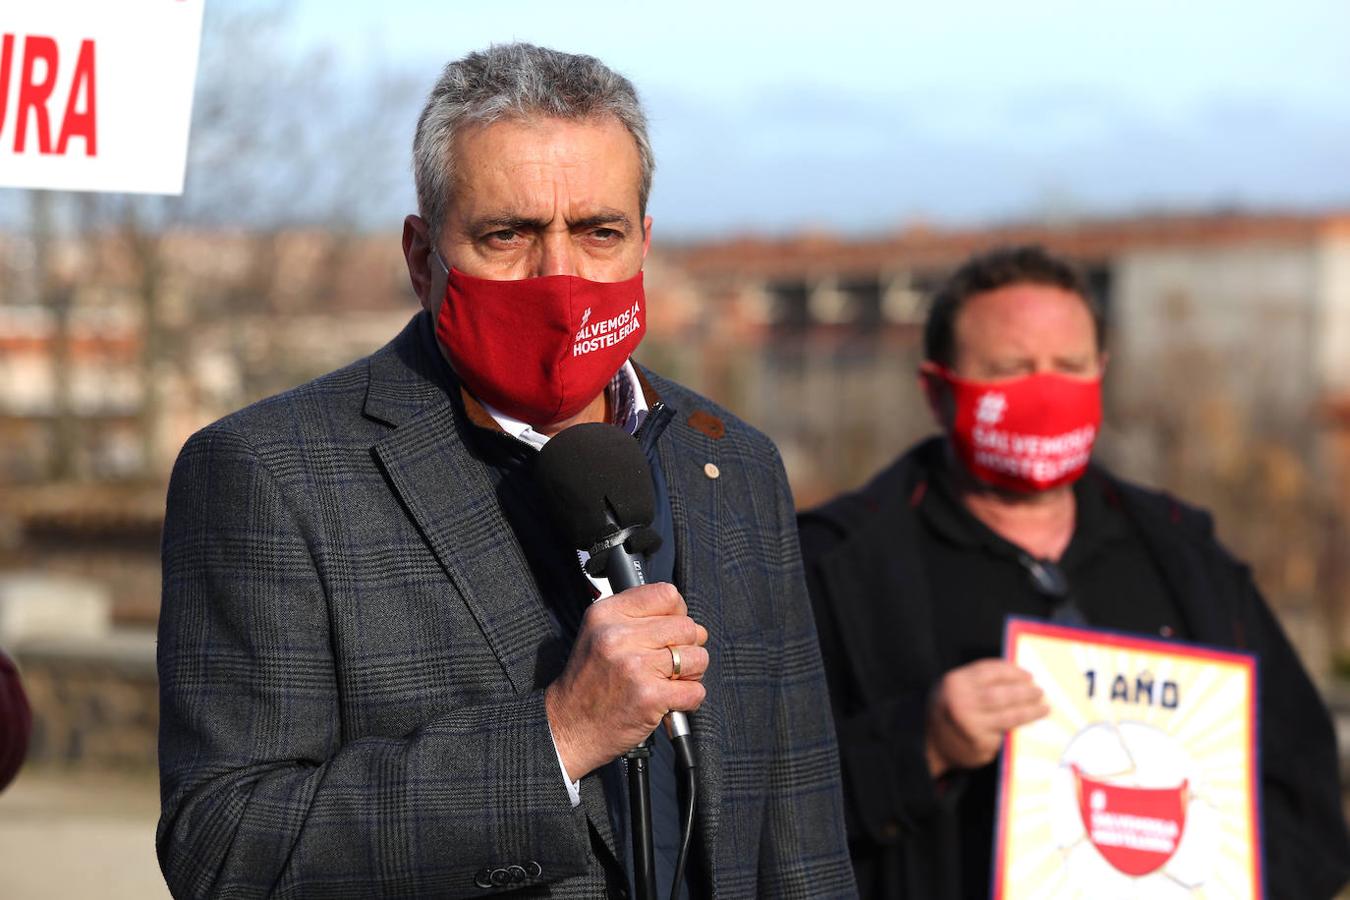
890	831
504	875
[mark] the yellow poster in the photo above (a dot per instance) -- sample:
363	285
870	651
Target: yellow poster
1141	782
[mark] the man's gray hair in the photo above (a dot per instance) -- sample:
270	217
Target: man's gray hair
518	81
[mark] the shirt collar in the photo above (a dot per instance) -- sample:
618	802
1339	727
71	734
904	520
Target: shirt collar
626	397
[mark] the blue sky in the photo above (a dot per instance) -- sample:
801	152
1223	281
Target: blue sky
1162	54
863	117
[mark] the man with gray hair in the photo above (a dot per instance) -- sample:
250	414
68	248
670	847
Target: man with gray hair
384	671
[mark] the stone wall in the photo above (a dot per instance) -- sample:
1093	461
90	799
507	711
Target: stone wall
95	701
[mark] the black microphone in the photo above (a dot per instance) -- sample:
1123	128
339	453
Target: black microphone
596	481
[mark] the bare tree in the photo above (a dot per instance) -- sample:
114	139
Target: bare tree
279	141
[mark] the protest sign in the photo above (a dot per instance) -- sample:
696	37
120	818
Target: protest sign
1142	780
96	95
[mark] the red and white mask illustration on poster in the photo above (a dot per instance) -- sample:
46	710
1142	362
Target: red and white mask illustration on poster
1136	829
1130	817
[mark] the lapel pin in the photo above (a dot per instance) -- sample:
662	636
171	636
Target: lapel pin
711	470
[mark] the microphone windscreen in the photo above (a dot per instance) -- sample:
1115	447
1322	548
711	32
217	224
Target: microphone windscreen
585	470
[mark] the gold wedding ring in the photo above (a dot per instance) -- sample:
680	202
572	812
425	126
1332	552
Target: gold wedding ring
674	662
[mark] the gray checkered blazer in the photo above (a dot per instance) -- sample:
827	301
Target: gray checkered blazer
353	652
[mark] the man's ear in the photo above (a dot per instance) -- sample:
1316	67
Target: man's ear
646	235
936	392
425	275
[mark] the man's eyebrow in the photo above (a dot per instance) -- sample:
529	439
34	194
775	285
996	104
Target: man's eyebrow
498	221
504	220
603	217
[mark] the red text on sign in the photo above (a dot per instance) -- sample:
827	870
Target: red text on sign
33	100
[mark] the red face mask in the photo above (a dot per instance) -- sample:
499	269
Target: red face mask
539	349
1024	434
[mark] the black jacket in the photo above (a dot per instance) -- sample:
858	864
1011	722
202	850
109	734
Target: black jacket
874	617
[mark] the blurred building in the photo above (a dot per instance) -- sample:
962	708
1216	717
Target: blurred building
1228	383
1256	308
130	342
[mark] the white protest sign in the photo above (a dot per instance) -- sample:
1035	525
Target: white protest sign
96	95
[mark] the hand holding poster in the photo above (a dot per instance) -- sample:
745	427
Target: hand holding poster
1142	780
97	95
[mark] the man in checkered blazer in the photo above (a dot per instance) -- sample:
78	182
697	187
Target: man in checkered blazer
381	673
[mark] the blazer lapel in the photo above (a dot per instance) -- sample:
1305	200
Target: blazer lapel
684	452
449	495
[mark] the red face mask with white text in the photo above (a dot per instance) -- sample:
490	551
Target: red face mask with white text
1024	434
539	349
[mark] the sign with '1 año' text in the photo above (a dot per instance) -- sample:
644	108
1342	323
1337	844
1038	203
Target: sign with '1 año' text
96	95
1142	781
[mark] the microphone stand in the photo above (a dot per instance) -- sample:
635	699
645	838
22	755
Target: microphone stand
640	810
636	761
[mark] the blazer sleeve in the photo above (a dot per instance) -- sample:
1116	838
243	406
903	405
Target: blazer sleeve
888	791
803	849
1307	852
261	791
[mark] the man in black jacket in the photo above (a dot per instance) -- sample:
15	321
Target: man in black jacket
913	576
